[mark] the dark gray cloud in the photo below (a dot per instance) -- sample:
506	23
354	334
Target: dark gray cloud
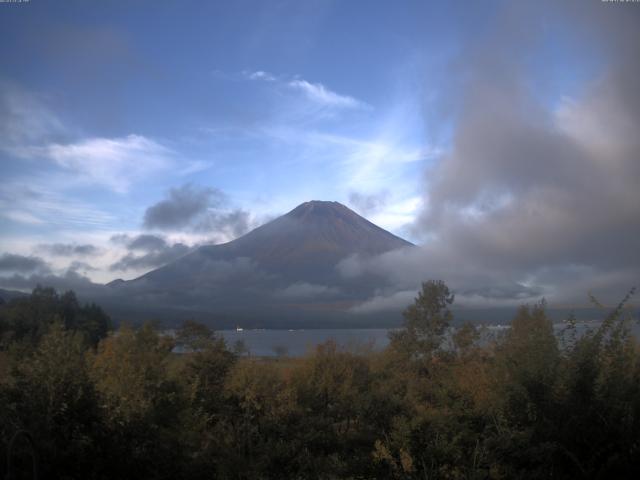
10	262
225	224
121	238
146	251
144	242
304	290
367	204
25	273
70	280
527	185
182	206
152	259
198	209
68	249
536	196
77	266
147	243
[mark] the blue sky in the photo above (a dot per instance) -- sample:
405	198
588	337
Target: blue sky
254	107
274	103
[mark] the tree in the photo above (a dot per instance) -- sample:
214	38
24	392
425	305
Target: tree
426	321
93	322
140	403
599	405
27	319
525	400
333	389
205	366
258	430
52	397
193	336
465	338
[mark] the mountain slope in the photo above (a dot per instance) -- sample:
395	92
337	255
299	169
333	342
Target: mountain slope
6	295
287	265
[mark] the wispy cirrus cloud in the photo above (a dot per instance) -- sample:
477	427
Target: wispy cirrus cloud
364	167
114	163
68	249
363	155
40	205
260	75
368	163
320	94
24	118
315	92
31	130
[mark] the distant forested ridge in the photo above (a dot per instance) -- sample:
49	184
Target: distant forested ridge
104	404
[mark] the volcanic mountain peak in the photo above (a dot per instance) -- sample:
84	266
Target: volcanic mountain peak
315	208
303	245
252	274
319	225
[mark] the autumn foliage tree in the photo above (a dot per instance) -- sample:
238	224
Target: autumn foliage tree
438	402
425	321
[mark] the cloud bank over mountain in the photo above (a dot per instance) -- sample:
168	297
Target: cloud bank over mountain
533	198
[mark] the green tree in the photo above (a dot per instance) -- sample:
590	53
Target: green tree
525	387
464	338
260	429
51	396
333	388
141	404
26	320
204	370
599	405
425	321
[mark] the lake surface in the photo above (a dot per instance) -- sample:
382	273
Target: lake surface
295	343
266	343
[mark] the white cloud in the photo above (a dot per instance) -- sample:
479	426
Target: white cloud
21	216
374	164
25	118
194	166
398	213
260	75
39	205
386	302
315	92
115	163
320	94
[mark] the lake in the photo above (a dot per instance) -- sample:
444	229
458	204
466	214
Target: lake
267	343
295	343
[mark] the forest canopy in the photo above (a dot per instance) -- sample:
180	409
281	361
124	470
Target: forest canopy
438	402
